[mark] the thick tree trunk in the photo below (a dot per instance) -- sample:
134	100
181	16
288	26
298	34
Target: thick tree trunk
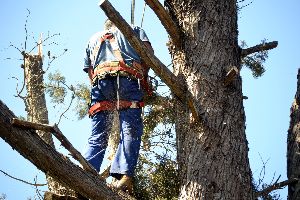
293	145
47	159
213	153
37	109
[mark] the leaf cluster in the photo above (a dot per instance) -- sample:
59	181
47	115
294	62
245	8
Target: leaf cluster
255	61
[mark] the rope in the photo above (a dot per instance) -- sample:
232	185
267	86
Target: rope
132	11
143	14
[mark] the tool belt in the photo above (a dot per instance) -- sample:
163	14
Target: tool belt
114	105
117	67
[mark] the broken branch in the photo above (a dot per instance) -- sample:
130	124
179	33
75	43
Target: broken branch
276	186
166	20
51	162
260	47
58	134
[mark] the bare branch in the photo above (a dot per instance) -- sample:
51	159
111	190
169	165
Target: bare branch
260	47
58	134
166	20
276	186
63	113
28	183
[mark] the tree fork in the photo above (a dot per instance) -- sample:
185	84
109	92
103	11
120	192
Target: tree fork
47	159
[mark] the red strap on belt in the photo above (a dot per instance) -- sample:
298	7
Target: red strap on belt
114	105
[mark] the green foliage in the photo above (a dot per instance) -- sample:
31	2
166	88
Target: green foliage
156	172
3	197
82	94
157	181
58	90
56	87
255	61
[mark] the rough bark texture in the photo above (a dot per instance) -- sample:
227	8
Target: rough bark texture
212	154
36	109
293	145
47	159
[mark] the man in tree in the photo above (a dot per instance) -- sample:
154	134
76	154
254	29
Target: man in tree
117	77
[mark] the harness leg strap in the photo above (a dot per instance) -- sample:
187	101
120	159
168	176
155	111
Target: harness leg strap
114	105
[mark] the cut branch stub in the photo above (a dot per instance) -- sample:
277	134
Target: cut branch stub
149	58
230	76
166	20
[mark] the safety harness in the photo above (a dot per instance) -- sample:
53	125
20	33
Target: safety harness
119	67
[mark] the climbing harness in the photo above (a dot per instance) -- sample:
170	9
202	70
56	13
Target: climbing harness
120	68
114	105
112	67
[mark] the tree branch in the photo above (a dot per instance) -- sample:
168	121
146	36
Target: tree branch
257	48
166	20
47	159
58	134
275	186
150	59
33	184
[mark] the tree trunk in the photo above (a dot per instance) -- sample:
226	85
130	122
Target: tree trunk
37	109
212	153
293	145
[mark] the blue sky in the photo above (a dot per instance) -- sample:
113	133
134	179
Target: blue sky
270	97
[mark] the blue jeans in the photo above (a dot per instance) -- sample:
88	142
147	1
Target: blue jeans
131	126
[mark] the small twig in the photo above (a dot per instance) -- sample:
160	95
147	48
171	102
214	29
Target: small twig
26	31
47	38
275	186
62	114
257	48
33	184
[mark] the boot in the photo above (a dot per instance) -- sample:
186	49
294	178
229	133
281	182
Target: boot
125	184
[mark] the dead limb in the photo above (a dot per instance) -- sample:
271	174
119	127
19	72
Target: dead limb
58	134
26	182
275	186
257	48
51	162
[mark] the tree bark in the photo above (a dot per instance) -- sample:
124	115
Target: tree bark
293	145
47	159
212	154
37	111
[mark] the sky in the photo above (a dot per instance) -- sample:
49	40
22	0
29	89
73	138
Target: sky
269	97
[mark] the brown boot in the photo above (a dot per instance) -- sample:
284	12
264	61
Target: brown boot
125	184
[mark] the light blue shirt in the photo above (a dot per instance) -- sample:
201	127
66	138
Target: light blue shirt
105	53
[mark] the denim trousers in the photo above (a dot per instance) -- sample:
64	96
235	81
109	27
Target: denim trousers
113	88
